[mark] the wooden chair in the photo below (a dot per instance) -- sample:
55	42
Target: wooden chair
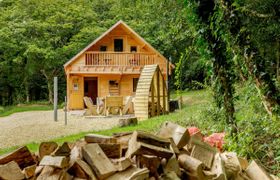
100	105
113	102
128	104
91	109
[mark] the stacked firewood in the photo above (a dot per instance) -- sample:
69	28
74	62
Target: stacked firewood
170	154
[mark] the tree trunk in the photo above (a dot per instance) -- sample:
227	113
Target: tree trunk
49	84
277	61
27	95
50	90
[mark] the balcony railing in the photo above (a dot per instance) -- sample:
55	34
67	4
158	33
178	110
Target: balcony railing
120	59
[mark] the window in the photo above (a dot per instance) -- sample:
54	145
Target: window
75	87
113	88
135	82
133	48
118	45
103	48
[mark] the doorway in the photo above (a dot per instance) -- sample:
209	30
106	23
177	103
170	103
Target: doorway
91	88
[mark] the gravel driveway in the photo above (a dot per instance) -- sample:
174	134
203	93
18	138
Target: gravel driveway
37	126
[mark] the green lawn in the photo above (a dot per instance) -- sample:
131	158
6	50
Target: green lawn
194	102
34	106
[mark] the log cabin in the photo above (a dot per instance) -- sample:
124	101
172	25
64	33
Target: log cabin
110	65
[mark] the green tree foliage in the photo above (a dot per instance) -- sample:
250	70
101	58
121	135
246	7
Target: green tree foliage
241	40
38	37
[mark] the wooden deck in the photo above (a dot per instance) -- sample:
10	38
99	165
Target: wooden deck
116	63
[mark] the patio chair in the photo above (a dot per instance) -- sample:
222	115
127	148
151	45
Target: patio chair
91	109
128	104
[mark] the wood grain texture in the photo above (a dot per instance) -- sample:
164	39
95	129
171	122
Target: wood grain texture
21	156
98	161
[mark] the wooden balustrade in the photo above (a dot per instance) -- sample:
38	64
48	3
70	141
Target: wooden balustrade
119	59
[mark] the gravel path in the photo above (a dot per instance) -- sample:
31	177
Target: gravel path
36	126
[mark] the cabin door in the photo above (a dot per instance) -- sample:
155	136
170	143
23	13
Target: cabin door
91	88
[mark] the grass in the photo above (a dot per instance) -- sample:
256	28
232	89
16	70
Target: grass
34	106
194	102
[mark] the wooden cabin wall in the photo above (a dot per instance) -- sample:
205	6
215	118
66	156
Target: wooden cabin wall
126	85
119	33
76	95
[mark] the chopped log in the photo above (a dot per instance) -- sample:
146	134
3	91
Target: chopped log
179	134
243	176
131	173
172	165
203	152
208	174
122	163
142	148
98	161
96	138
256	172
150	162
145	143
53	173
29	171
76	153
218	168
63	150
11	170
82	170
193	166
127	121
173	146
38	170
169	176
243	163
152	139
21	156
274	177
55	161
123	138
232	165
46	148
112	150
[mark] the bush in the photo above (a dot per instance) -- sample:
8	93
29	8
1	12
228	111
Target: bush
258	134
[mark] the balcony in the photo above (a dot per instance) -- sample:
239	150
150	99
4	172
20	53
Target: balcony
116	62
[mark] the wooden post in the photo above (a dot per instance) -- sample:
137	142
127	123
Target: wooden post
163	96
153	98
158	93
55	98
65	110
167	84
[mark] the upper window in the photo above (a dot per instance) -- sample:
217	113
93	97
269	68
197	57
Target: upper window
118	45
103	48
133	48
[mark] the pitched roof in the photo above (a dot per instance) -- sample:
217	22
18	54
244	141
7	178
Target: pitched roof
107	32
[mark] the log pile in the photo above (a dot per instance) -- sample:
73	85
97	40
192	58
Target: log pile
170	154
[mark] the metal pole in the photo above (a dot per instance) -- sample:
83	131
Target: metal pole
55	98
65	110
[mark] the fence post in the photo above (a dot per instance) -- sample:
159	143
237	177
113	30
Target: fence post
65	110
55	98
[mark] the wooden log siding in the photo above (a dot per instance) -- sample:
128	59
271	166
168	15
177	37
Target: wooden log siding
120	59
